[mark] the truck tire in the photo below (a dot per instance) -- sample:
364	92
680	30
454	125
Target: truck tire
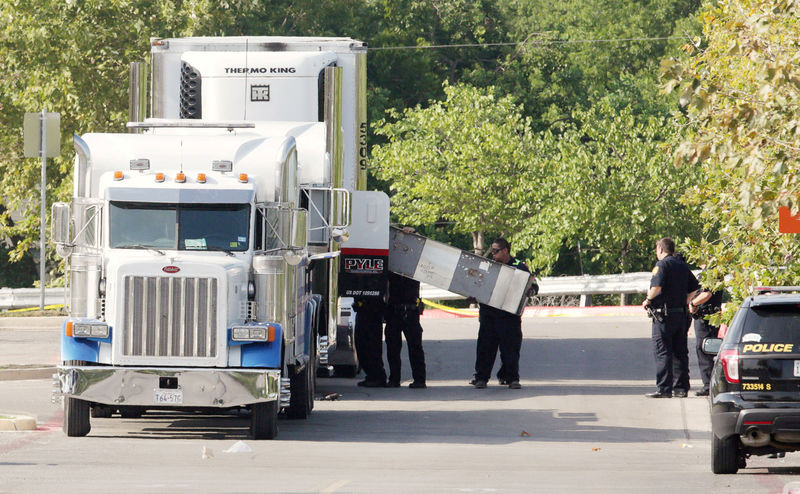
264	420
303	386
76	417
725	454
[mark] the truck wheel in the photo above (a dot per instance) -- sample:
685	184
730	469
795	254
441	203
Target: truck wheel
303	386
724	454
345	370
76	417
264	420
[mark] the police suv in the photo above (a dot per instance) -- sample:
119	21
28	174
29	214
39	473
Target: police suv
755	384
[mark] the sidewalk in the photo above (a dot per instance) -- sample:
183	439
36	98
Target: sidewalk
29	347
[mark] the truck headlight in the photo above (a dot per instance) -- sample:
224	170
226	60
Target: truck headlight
89	330
253	333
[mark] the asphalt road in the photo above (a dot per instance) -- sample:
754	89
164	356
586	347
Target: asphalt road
579	424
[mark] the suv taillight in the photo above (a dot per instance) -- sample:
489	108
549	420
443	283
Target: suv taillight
730	364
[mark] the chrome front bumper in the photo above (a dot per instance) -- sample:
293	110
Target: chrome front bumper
140	385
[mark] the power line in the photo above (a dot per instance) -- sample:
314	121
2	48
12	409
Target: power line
519	43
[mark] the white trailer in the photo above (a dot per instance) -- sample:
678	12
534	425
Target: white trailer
203	247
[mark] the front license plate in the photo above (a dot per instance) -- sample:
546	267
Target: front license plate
172	396
797	368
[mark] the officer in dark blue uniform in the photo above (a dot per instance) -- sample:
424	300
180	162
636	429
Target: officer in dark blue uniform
499	330
703	304
672	286
368	334
402	318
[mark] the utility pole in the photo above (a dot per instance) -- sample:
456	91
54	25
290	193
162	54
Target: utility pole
42	136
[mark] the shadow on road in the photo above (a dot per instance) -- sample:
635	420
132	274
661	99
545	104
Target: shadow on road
392	426
547	359
436	391
549	367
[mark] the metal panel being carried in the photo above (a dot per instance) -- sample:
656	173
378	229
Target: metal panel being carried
489	282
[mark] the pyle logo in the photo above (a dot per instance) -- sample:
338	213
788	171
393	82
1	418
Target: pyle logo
170	269
354	264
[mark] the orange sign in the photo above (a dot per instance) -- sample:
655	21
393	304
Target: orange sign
786	222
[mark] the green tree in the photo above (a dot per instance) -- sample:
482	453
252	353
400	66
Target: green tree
401	76
560	68
741	87
72	57
463	160
611	186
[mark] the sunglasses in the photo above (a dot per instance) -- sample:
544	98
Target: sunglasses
495	251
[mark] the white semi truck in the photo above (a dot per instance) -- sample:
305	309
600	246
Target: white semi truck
213	249
204	246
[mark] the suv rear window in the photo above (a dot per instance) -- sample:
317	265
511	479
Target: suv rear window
772	323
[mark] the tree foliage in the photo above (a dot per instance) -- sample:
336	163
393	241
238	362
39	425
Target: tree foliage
577	50
72	57
605	179
741	87
610	185
462	160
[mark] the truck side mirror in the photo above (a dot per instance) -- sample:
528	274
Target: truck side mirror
340	199
340	217
297	250
61	218
711	345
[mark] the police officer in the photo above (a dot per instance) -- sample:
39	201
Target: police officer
672	286
704	303
402	318
499	329
368	340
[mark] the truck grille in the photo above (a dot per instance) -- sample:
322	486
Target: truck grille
170	317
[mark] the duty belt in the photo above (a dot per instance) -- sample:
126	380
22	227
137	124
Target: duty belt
676	310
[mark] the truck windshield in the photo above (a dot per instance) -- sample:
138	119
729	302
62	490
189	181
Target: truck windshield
138	225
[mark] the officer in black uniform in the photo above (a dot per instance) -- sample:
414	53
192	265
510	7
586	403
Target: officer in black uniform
703	304
499	329
672	286
402	318
368	339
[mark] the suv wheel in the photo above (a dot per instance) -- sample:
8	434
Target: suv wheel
725	456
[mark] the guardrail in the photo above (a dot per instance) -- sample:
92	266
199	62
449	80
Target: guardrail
584	286
21	298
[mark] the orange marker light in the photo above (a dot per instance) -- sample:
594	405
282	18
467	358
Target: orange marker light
118	175
201	177
243	178
271	333
180	178
68	329
159	177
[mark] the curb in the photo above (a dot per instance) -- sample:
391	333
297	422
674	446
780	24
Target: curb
32	323
12	422
26	373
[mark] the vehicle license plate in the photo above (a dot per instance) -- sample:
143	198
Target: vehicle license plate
797	368
175	396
